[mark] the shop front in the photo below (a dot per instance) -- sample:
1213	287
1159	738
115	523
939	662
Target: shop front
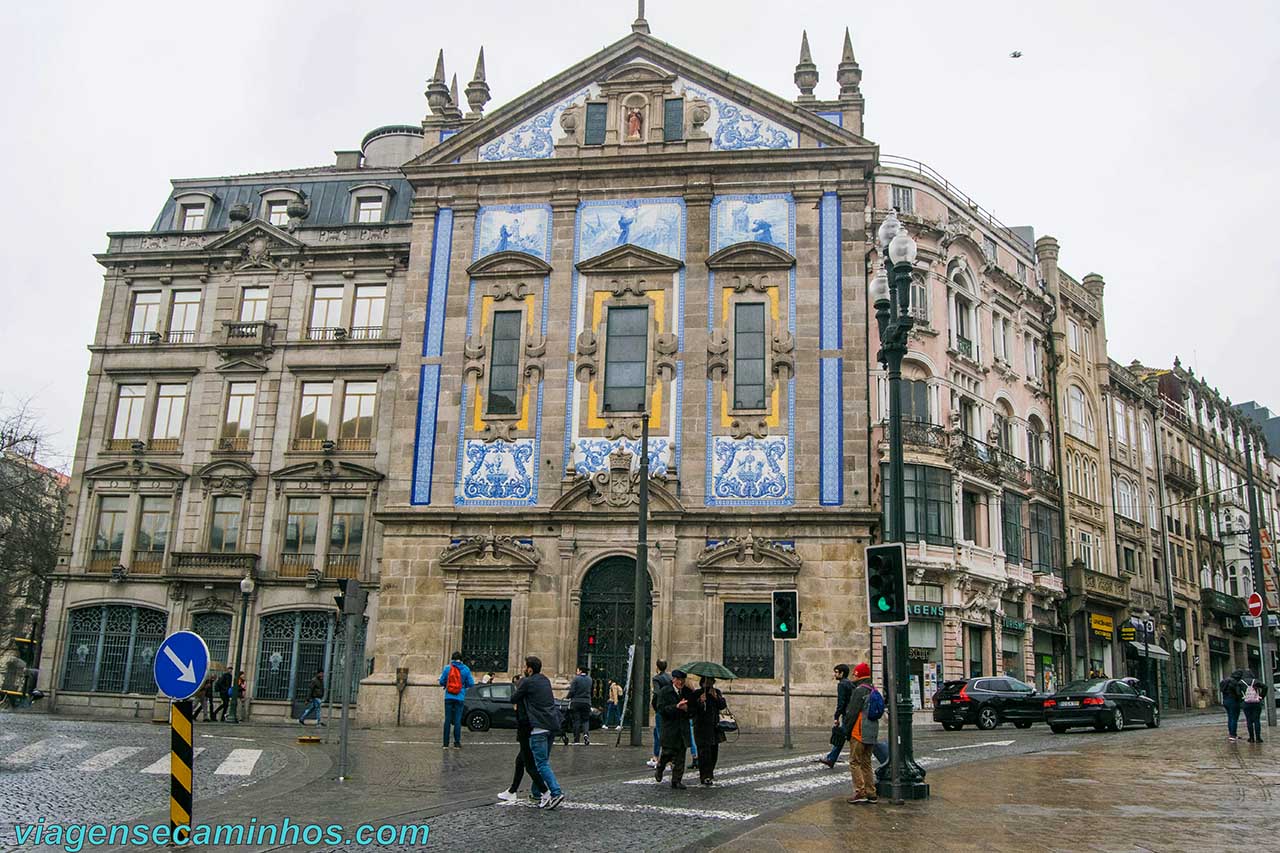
1045	647
1012	657
1145	660
975	647
1219	663
1099	600
925	655
1099	640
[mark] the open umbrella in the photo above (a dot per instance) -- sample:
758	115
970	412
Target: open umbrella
709	668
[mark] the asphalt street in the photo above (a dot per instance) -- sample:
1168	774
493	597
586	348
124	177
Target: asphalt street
67	770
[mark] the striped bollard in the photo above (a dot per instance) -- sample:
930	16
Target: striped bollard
181	765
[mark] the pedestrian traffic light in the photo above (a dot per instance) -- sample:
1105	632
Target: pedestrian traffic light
886	584
591	639
350	598
786	614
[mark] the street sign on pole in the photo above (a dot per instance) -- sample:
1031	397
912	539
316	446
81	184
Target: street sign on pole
1255	605
180	665
626	692
1179	645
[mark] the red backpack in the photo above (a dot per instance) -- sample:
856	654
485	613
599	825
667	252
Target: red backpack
453	684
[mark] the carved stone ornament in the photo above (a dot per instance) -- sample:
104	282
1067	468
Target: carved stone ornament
743	282
717	355
618	485
502	290
209	604
665	346
784	360
535	348
749	549
957	226
256	252
474	351
749	426
495	430
623	428
569	121
630	284
699	114
489	550
177	590
587	351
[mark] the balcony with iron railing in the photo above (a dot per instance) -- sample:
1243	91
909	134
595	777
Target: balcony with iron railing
294	564
964	346
1044	481
233	444
147	563
217	565
924	434
326	333
255	335
103	560
181	336
365	333
341	565
145	337
1180	474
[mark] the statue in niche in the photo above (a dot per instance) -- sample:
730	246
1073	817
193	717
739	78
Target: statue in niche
635	123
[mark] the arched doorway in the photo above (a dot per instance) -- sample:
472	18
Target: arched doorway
607	613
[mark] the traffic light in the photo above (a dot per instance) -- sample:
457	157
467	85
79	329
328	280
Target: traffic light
350	598
886	584
786	614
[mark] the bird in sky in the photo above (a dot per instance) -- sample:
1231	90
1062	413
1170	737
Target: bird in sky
1015	55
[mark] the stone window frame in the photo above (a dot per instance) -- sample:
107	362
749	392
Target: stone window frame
731	331
627	301
325	493
207	515
151	382
339	379
166	288
189	199
368	190
521	362
601	103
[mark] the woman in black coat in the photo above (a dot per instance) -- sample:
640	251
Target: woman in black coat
706	727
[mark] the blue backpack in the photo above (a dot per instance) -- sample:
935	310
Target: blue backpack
875	705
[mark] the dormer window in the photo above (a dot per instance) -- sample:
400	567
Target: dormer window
277	212
369	203
192	216
368	209
277	203
192	210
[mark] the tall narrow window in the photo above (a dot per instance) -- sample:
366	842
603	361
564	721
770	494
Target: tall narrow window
673	120
171	406
145	319
1122	435
1022	273
486	632
626	359
904	200
183	315
1035	442
356	430
109	538
369	208
278	212
192	217
299	536
915	401
748	642
597	116
1014	529
919	300
313	415
504	363
927	496
326	313
128	424
346	537
153	535
369	312
1000	337
237	425
224	524
253	304
1073	336
748	356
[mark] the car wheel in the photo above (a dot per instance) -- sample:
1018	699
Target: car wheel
1153	721
1057	729
952	727
478	721
988	719
1117	720
1023	725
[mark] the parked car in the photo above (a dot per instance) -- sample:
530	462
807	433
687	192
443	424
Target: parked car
1104	703
986	703
488	706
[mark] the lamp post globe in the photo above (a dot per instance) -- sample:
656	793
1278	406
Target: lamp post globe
879	289
888	229
902	249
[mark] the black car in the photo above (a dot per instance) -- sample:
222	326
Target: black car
488	706
1104	703
986	703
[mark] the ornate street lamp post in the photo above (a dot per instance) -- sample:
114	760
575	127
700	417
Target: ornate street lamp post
246	589
892	295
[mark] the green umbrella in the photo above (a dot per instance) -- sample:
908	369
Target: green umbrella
706	667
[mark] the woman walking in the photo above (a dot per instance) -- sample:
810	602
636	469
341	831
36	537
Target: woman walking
706	727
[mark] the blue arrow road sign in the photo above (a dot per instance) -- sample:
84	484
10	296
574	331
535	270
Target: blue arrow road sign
181	664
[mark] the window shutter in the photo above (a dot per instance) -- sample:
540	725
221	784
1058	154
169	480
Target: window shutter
673	120
596	115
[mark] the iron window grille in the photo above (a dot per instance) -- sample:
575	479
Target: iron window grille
748	640
111	649
486	633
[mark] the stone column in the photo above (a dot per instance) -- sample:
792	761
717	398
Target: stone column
692	428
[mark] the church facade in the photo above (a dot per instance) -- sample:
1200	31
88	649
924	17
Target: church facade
642	235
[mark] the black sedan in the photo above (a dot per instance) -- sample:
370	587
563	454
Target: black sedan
488	706
986	703
1104	703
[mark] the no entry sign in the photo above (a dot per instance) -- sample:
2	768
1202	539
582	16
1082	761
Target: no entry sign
1255	605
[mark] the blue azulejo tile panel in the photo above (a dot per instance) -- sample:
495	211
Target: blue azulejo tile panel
830	334
751	471
424	440
514	228
497	473
733	127
831	432
532	139
592	454
656	224
763	218
836	117
438	284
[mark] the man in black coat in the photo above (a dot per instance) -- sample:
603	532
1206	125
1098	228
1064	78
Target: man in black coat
580	705
844	691
536	703
673	711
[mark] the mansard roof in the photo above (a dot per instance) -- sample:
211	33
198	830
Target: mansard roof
629	55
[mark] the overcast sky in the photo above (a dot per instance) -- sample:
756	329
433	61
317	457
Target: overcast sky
1143	135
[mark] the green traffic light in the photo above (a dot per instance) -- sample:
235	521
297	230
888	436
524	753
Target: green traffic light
782	626
883	604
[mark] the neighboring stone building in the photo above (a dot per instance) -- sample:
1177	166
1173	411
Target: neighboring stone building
983	523
236	422
640	232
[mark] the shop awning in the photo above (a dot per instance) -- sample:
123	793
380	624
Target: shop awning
1152	649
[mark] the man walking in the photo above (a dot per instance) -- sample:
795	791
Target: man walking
673	711
612	715
1232	692
534	699
844	690
660	681
862	732
455	679
222	688
579	697
315	695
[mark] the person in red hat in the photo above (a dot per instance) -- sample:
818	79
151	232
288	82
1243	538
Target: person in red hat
863	732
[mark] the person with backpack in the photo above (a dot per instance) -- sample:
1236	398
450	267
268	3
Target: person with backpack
1232	689
455	678
844	690
1251	695
862	729
660	681
222	689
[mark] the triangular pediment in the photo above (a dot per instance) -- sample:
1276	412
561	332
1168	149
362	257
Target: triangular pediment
491	552
630	258
250	230
241	365
530	126
507	264
751	255
258	244
326	469
134	469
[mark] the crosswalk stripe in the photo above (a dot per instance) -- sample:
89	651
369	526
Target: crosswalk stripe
42	749
796	785
776	774
742	768
161	766
670	811
239	763
110	758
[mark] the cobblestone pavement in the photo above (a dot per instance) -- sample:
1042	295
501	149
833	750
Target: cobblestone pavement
401	776
1159	791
